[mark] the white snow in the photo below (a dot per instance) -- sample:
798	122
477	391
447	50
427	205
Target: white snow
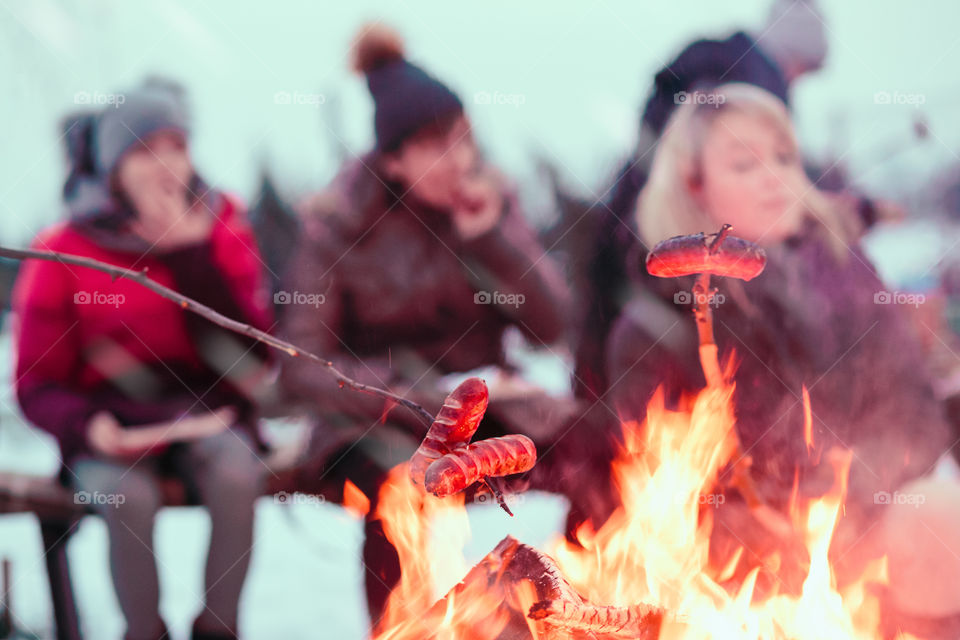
305	578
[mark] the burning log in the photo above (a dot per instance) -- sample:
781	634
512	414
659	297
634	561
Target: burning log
641	621
541	603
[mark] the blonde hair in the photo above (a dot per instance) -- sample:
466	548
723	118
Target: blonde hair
666	206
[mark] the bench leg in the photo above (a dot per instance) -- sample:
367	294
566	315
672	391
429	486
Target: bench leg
55	537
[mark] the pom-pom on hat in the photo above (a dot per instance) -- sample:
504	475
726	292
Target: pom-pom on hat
406	98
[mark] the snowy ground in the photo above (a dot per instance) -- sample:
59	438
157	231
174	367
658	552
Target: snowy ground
305	579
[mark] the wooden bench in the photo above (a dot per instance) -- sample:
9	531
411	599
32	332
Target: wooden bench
59	515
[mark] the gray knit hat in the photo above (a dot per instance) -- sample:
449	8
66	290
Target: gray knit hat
156	106
795	32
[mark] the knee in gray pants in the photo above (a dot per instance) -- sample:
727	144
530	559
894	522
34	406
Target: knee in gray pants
128	498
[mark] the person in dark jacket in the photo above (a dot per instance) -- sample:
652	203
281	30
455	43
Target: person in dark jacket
816	318
791	43
413	263
133	386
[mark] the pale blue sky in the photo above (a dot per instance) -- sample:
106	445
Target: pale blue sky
582	70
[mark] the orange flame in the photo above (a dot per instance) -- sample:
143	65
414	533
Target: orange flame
654	549
807	420
354	500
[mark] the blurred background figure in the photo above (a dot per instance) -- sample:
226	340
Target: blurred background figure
812	320
412	264
133	387
791	43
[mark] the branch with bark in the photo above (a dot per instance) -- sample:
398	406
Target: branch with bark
142	278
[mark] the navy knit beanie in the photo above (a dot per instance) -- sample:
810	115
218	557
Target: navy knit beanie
405	96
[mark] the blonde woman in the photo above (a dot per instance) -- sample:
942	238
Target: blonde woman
816	317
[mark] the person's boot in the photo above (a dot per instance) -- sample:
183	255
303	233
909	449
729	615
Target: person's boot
201	634
164	634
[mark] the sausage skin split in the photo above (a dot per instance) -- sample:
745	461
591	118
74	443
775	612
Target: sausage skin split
459	469
688	255
453	427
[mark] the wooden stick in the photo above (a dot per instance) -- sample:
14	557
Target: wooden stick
557	608
639	621
6	613
709	360
141	278
710	363
496	488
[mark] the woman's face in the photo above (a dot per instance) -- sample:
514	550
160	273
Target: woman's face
751	177
161	162
433	168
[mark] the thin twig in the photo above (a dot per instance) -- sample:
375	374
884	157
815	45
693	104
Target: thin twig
496	488
712	372
719	237
141	277
703	294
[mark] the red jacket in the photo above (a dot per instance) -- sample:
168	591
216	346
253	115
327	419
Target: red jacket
87	343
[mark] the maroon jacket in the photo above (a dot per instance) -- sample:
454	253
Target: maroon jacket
404	299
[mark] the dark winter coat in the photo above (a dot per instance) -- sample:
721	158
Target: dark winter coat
811	320
404	300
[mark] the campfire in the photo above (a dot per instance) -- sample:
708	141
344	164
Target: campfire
647	572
